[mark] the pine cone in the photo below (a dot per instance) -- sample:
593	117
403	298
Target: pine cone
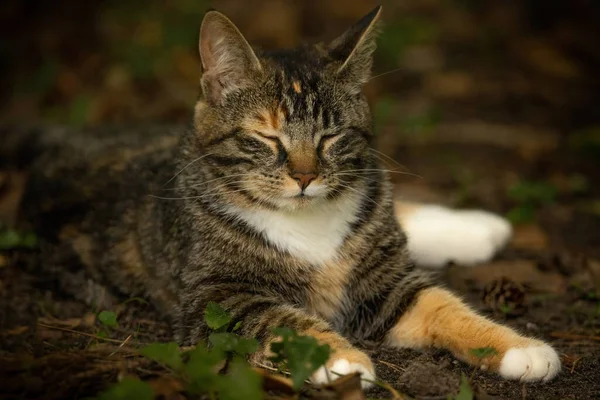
505	296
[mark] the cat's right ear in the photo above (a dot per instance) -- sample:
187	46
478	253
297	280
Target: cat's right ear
228	61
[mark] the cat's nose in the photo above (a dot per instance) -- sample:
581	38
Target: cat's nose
303	178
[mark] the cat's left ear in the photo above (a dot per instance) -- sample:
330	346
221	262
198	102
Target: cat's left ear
228	61
354	50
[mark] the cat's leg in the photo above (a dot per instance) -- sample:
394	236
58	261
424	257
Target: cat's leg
440	319
438	235
258	316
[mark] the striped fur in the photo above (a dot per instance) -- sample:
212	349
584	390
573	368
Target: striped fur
231	224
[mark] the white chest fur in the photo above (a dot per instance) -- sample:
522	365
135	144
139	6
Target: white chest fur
313	235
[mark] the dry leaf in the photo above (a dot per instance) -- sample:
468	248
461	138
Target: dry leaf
529	236
167	387
16	331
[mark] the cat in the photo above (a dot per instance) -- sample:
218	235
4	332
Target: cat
272	204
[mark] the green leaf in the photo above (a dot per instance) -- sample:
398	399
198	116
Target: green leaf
521	214
215	316
9	239
224	341
483	352
505	308
302	355
579	184
102	334
531	192
29	240
79	109
108	318
230	342
164	353
464	391
128	388
201	369
246	346
237	326
242	383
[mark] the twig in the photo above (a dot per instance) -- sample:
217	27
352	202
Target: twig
575	362
572	336
396	395
78	333
392	366
121	345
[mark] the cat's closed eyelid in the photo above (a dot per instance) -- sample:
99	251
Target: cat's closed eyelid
327	140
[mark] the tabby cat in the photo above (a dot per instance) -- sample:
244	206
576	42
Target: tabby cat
274	205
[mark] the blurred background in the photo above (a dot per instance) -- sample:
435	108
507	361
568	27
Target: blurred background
491	103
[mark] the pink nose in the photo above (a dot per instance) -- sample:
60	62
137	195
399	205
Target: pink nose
303	179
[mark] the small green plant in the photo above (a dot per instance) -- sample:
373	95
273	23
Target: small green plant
219	368
464	391
215	316
128	388
506	309
529	196
483	352
11	239
301	355
108	319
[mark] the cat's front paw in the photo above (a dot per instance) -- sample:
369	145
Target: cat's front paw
344	364
533	363
439	235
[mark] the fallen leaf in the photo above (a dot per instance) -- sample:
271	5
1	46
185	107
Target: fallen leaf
529	236
16	331
168	387
276	383
347	387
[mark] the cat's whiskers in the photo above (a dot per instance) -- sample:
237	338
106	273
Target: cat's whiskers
209	181
212	192
379	154
187	165
385	73
355	172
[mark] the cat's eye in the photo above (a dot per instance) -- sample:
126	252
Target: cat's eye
331	136
326	138
273	139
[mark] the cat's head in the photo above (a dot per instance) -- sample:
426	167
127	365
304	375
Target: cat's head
284	129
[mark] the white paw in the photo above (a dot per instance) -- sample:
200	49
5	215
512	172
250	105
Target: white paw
343	367
536	363
439	235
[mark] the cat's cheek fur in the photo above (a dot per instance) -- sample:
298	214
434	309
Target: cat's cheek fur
438	235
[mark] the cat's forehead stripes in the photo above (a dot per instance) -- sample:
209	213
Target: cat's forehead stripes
305	97
267	121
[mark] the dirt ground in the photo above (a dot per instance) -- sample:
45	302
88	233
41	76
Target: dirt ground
490	105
